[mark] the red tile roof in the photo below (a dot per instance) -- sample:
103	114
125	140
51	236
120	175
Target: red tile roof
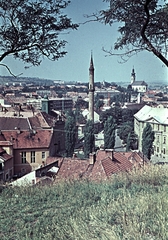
72	168
5	156
108	163
11	123
27	139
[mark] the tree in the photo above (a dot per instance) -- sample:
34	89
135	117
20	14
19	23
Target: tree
89	140
109	133
147	140
30	30
142	24
70	135
124	130
131	141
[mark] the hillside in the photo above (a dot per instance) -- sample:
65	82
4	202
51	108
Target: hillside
129	206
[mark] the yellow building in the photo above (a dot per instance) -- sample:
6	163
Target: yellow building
158	119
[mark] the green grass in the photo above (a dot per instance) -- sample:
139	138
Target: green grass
128	206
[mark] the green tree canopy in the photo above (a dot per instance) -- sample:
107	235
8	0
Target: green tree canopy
109	133
142	25
30	30
124	130
89	140
147	140
131	141
148	136
70	135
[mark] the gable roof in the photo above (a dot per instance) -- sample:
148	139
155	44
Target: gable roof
159	114
139	83
72	168
4	156
108	163
29	140
12	123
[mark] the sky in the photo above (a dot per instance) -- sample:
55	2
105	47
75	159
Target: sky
93	37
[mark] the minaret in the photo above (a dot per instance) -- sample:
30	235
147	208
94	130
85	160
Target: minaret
133	76
91	90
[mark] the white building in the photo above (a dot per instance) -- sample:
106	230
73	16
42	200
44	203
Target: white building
139	86
158	118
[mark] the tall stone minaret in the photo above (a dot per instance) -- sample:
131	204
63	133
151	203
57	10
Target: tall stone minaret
133	76
91	90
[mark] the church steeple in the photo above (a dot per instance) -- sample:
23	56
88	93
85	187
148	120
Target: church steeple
133	75
91	89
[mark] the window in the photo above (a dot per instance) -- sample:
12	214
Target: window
157	149
158	127
142	124
164	140
23	157
158	138
6	176
164	151
43	154
33	157
1	166
164	128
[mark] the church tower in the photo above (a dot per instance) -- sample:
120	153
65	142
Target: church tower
133	76
91	90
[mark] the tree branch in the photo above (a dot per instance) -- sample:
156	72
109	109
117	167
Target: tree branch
144	37
4	65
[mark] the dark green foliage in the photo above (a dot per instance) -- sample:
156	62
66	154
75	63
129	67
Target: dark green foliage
148	137
89	140
98	104
128	115
70	135
142	25
131	141
124	130
109	133
115	112
31	30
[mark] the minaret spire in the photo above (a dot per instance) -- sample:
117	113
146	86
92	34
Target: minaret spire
91	89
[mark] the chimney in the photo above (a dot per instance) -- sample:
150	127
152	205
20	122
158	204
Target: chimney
111	153
92	158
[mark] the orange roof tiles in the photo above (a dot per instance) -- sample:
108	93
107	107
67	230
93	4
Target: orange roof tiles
26	139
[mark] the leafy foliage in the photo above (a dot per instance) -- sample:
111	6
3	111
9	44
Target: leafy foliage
124	130
30	30
115	112
109	133
147	140
131	141
89	138
143	26
70	135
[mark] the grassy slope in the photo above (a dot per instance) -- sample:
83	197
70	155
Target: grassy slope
127	207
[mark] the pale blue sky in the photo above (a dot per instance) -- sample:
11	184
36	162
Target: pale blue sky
92	36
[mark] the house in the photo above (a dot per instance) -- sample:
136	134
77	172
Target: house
158	119
30	148
30	140
100	165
